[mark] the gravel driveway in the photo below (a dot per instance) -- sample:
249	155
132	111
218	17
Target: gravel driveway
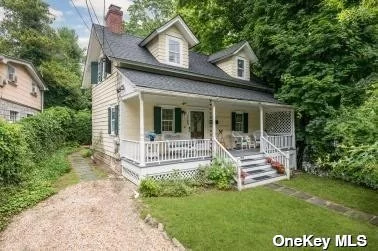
88	216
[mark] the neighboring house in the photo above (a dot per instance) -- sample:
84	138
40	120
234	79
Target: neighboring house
199	106
21	89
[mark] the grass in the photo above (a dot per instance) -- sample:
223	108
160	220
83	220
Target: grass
248	220
68	179
41	182
350	195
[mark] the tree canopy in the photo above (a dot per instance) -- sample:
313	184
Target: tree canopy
26	33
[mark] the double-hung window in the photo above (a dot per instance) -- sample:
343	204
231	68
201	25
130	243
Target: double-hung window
173	50
13	116
239	122
11	73
241	67
113	120
34	89
167	119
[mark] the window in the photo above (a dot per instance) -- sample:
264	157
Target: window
173	50
167	120
11	73
13	116
241	68
34	89
113	120
239	122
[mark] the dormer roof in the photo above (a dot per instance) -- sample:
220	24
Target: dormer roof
180	25
233	50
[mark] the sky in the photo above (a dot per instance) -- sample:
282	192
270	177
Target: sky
66	15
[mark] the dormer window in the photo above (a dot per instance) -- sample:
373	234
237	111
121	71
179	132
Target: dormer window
241	67
173	50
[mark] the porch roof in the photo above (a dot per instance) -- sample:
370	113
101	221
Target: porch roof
172	83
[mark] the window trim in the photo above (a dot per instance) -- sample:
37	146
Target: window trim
16	118
34	90
244	67
168	37
112	120
173	119
241	122
8	72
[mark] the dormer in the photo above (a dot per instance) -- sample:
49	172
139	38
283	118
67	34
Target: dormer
235	60
170	43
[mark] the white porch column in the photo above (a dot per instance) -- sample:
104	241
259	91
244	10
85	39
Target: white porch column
261	126
214	121
141	131
293	128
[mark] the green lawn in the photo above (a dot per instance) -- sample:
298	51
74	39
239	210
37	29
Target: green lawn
248	220
339	191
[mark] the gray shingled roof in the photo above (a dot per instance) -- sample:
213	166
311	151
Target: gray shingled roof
126	47
226	52
171	83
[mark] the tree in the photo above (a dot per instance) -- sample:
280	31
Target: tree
146	15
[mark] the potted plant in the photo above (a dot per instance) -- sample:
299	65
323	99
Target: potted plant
281	169
269	160
243	175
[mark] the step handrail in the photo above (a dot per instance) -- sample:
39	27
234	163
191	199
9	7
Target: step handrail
283	157
218	147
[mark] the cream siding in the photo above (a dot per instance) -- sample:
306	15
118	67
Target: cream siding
158	46
21	92
104	95
229	65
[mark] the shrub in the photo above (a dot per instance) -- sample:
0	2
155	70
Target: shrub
358	165
220	173
14	157
86	152
150	188
82	132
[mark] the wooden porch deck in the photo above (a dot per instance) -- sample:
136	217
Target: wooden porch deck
244	152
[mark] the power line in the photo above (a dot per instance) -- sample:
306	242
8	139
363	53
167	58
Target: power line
78	12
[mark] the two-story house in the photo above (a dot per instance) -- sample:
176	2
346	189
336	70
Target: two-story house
21	89
159	107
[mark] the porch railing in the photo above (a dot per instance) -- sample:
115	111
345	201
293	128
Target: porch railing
221	152
281	141
130	149
273	152
165	151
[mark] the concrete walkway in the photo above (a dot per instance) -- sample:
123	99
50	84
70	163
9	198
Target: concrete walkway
349	212
82	167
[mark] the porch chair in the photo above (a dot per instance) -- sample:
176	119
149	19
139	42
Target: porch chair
240	140
256	137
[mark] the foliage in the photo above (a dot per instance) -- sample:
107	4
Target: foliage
173	187
220	173
14	158
37	185
254	214
36	138
358	165
86	152
26	33
147	15
150	188
335	190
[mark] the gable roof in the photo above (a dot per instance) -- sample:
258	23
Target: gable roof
125	48
177	84
182	27
29	67
232	50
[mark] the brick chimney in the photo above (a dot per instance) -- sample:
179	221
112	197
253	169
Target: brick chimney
113	19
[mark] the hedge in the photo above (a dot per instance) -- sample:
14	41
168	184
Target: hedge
35	138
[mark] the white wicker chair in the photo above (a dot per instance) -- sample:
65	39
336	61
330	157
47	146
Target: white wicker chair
240	141
256	137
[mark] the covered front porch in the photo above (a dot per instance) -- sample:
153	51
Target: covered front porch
191	128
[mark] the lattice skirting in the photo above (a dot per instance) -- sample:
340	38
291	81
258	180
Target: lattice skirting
189	174
131	175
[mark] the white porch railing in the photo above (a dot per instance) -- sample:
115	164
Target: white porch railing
271	151
221	152
167	150
281	141
130	149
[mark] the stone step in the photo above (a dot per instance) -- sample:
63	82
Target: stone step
263	180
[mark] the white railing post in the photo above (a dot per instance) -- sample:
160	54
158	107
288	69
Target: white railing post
292	129
141	131
261	126
213	125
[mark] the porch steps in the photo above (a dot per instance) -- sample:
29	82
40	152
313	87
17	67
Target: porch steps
257	171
